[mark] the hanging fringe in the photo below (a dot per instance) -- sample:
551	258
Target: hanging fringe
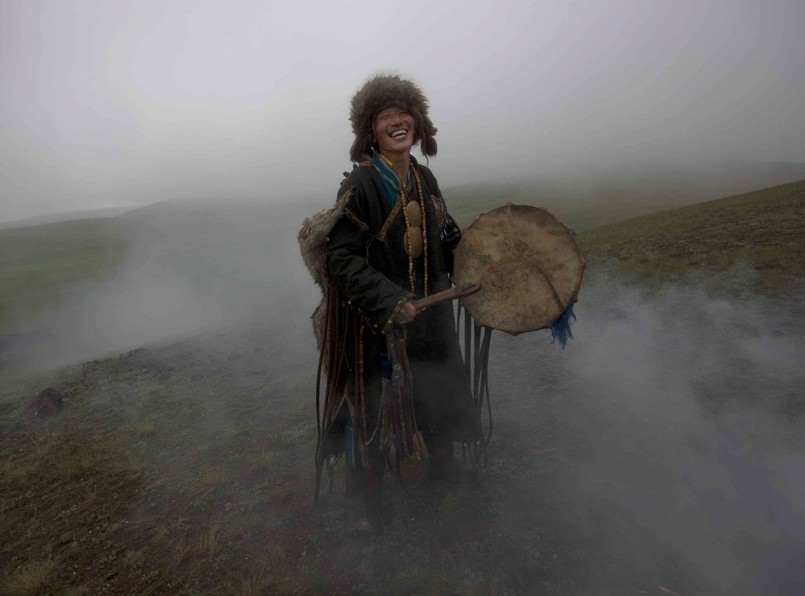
338	316
395	427
477	340
560	331
396	423
329	356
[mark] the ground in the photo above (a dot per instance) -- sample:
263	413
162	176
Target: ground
615	467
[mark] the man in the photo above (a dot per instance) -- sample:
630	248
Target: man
395	379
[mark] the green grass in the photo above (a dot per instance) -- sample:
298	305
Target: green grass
187	468
31	579
749	242
752	242
163	470
581	206
37	263
466	203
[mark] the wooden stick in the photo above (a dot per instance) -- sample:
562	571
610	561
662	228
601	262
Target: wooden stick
449	294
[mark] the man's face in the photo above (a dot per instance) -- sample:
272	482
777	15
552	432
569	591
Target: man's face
394	131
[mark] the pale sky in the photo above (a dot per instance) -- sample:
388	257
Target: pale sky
106	103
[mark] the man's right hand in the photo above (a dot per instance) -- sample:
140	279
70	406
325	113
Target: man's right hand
406	314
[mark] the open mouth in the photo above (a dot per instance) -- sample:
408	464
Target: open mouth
398	134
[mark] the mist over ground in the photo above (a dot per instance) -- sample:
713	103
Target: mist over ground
660	452
188	270
661	448
666	438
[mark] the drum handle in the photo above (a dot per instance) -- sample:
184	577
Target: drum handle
449	294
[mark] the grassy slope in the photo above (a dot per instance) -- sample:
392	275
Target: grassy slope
580	213
152	474
759	236
591	198
181	469
37	262
762	229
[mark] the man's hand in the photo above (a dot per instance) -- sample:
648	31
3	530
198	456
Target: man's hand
406	314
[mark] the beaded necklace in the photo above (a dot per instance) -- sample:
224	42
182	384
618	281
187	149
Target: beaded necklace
409	248
416	230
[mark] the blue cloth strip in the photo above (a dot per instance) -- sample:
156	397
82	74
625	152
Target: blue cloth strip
391	184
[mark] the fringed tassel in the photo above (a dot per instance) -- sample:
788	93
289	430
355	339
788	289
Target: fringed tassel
338	317
396	423
560	331
477	341
328	372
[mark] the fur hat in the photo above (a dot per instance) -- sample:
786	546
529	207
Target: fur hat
379	93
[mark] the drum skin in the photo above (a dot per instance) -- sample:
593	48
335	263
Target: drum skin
529	266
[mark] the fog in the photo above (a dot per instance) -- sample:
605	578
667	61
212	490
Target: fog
106	105
666	439
661	448
191	267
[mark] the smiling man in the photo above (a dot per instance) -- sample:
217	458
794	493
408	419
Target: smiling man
395	381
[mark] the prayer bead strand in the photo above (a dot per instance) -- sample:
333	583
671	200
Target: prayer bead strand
424	228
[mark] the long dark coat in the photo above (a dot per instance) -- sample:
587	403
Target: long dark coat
367	263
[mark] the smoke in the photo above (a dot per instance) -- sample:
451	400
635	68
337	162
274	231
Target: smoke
188	270
668	436
661	448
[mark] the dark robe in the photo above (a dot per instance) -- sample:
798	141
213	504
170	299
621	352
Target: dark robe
368	265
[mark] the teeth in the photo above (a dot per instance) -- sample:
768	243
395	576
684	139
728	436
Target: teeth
399	133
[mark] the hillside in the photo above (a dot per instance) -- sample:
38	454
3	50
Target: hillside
756	240
178	457
88	287
50	218
219	257
589	197
38	262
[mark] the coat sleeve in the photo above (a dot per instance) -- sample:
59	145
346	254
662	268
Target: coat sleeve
365	287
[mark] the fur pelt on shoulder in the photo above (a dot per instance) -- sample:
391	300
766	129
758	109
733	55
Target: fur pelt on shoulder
312	240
